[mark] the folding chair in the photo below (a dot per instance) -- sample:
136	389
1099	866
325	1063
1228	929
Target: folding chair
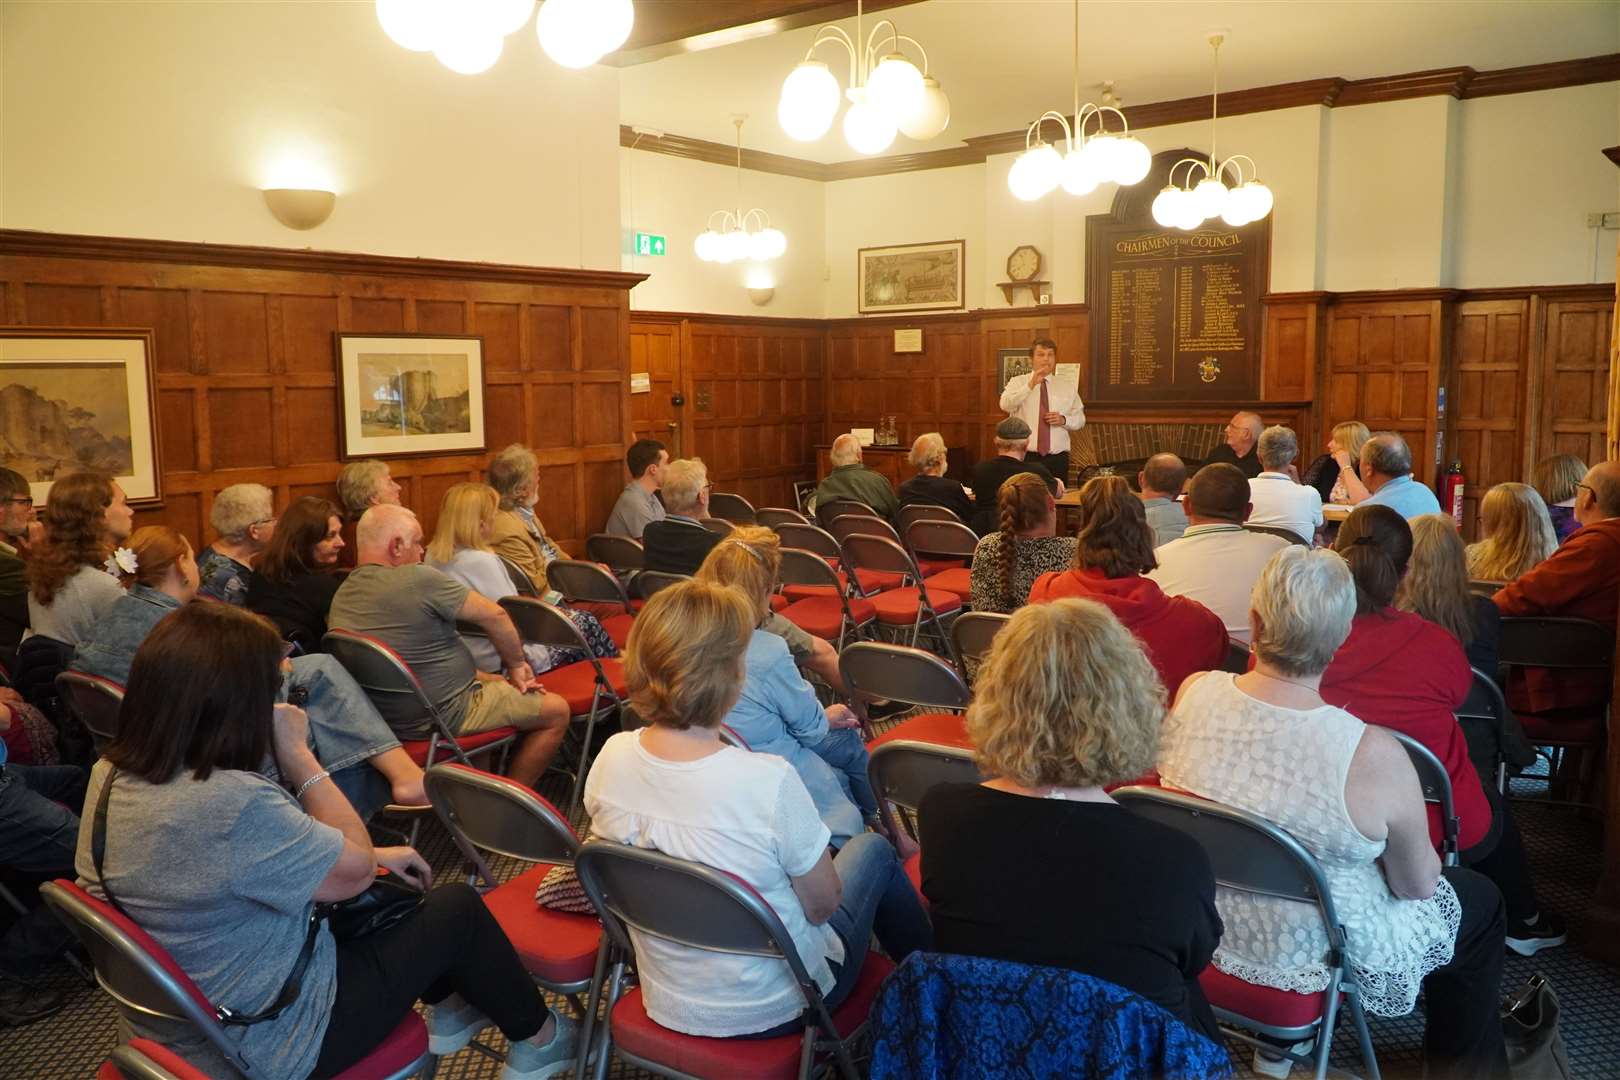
913	606
1483	587
868	523
587	583
693	905
1278	531
1561	644
823	607
718	525
1237	657
593	687
1486	707
621	554
649	582
94	701
877	670
734	508
944	553
143	1059
140	975
9	899
521	580
924	512
901	772
1250	854
772	516
815	538
828	512
1436	784
972	634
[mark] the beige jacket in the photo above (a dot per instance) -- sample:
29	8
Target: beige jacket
510	539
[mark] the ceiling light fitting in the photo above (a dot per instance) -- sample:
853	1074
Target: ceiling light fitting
1189	205
742	234
467	35
887	93
1100	158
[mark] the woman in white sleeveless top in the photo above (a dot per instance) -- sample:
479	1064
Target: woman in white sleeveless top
1267	743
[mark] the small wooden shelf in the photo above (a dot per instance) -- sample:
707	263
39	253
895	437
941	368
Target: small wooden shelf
1009	289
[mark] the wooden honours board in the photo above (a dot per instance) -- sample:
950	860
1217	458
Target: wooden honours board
1175	316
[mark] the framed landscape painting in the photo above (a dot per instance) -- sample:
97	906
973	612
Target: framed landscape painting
912	277
79	398
409	394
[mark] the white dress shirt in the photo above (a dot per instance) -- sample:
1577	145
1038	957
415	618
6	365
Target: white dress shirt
1023	401
1280	502
1217	565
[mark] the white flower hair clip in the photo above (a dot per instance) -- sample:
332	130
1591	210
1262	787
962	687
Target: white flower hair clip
121	562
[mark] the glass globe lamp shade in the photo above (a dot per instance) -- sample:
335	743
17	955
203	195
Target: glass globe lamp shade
1167	205
759	246
775	241
1189	217
1235	212
500	17
613	21
1035	173
410	24
1101	157
1132	160
1075	175
868	129
704	245
1210	197
468	49
809	101
932	116
736	246
1257	200
567	32
896	87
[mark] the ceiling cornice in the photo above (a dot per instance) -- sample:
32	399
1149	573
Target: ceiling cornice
1457	82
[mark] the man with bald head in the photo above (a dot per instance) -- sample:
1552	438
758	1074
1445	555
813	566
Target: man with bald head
1242	436
1386	469
413	609
1160	481
850	479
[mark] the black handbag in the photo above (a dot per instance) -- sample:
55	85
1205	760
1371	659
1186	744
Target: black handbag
1535	1046
385	903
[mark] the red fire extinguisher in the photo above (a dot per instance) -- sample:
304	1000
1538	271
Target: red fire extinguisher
1452	492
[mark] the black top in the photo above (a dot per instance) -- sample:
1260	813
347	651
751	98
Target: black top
1249	463
937	491
13	606
677	545
298	607
1487	635
1079	885
987	478
1323	474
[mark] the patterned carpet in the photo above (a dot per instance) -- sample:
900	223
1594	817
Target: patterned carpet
71	1044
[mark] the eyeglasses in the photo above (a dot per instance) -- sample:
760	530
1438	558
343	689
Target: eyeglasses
1587	487
262	521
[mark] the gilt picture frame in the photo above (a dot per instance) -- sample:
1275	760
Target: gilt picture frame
912	277
401	395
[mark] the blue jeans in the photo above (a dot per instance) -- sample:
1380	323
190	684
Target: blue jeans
845	750
38	836
345	731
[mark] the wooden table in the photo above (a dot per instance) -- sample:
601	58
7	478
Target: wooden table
1335	513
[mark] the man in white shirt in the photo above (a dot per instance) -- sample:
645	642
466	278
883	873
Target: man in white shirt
1217	561
1278	499
1050	408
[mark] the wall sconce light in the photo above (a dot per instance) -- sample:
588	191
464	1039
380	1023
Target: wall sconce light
761	297
300	208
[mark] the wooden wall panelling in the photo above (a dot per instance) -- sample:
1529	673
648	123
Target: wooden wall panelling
1570	366
1488	412
939	389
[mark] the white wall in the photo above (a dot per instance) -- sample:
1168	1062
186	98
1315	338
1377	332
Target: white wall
164	120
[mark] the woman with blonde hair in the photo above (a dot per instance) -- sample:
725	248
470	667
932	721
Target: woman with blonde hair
1557	480
930	486
1336	475
1436	587
1039	865
1025	546
777	711
674	787
70	585
1518	534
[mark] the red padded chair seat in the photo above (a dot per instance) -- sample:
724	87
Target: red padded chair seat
913	869
795	593
406	1044
929	567
618	628
899	606
1562	726
871	581
418	748
163	1056
958	581
576	682
778	602
942	729
557	946
822	616
637	1033
1276	1008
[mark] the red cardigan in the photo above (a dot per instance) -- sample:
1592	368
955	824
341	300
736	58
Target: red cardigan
1400	671
1180	636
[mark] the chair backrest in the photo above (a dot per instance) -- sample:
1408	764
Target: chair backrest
772	516
539	623
520	581
1436	785
381	674
876	669
902	770
729	736
809	538
924	512
846	525
1549	642
935	539
485	812
833	508
734	508
718	525
1276	530
1237	657
619	552
869	552
585	581
649	582
973	632
1485	707
1484	587
801	567
95	701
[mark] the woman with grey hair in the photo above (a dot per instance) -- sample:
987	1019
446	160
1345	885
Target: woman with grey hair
1276	496
930	486
244	516
1267	743
360	486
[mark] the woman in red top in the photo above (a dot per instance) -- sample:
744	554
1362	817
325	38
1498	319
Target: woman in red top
1113	549
1400	671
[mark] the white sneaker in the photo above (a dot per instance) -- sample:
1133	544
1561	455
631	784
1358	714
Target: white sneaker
1275	1065
526	1061
452	1024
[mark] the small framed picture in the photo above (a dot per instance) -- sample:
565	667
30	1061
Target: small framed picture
407	394
913	277
1012	362
80	398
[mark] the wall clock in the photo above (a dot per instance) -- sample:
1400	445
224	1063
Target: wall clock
1023	270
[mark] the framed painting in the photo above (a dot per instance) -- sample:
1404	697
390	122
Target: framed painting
912	277
80	398
1013	362
405	394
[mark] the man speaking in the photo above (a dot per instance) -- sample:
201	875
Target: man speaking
1050	408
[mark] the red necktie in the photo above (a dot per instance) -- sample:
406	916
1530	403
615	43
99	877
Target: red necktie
1043	441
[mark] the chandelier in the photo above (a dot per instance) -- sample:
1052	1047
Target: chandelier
887	93
1190	205
740	235
467	35
1087	161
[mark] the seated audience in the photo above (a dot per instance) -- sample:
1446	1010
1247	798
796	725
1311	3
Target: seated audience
1012	442
245	518
70	585
1557	480
673	786
360	486
223	868
679	543
20	528
1039	865
849	479
1267	742
294	581
931	487
1241	445
1516	533
1335	475
1436	588
1113	553
1386	469
518	536
413	609
1217	561
638	505
1007	562
1276	498
777	711
1161	480
16	516
1580	580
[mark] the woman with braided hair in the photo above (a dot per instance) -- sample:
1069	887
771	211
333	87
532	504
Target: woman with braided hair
1007	562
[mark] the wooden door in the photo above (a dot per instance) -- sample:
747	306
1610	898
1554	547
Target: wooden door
1572	378
655	350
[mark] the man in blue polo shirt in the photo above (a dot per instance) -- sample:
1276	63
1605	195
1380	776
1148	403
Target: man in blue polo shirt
1386	469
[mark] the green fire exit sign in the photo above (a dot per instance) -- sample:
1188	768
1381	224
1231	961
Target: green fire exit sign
648	244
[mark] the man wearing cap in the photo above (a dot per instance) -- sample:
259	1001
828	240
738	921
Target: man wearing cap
1049	409
1012	458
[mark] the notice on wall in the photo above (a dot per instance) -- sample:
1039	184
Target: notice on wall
641	382
1175	316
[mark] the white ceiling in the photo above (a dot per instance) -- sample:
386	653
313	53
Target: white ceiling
1004	63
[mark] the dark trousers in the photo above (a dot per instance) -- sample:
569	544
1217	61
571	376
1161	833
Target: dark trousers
1056	464
452	944
38	834
1463	1035
1501	857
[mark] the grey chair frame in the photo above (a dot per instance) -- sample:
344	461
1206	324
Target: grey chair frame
845	525
134	1065
93	701
801	567
1486	702
697	906
901	772
719	525
733	507
1250	854
863	551
1278	531
772	516
1556	642
882	670
586	582
835	508
520	580
972	634
648	582
913	512
620	553
1484	586
935	539
1436	785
